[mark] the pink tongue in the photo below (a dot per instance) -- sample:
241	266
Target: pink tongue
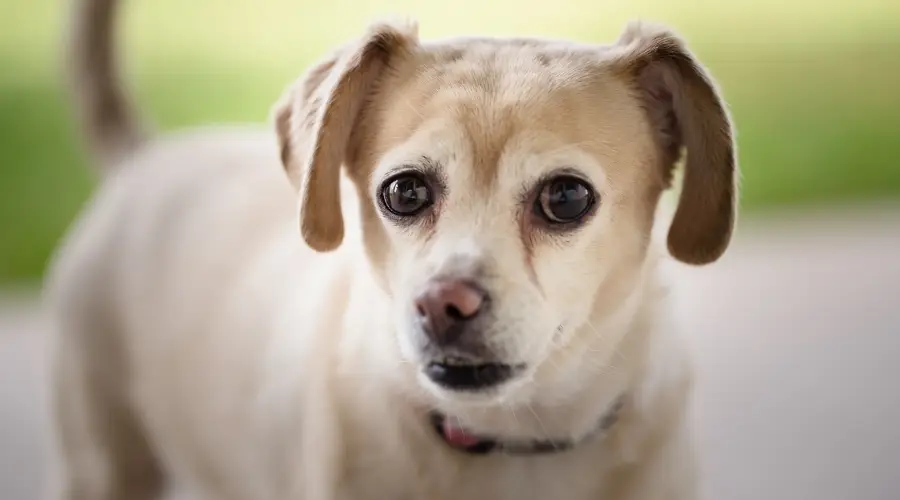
459	437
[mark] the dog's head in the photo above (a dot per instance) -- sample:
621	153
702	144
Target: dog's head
508	187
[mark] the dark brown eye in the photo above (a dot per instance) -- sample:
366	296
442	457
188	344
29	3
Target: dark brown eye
406	195
565	199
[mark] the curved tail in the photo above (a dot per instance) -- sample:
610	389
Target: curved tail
106	115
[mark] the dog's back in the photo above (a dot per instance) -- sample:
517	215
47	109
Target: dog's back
148	267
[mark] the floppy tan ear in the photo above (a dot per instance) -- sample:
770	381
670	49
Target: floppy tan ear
315	119
686	111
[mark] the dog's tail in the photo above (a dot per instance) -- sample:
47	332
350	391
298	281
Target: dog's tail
104	111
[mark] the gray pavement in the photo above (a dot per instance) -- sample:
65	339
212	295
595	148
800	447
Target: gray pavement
797	340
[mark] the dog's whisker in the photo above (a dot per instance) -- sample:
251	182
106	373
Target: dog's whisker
540	422
602	338
512	410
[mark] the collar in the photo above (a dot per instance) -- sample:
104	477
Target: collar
483	445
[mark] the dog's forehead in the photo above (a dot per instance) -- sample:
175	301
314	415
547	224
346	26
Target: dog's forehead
509	77
498	92
465	60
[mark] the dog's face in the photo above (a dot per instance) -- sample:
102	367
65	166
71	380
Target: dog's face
508	188
503	208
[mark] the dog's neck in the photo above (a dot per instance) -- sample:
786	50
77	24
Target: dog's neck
464	441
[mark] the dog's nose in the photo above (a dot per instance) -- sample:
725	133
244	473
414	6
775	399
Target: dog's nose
445	306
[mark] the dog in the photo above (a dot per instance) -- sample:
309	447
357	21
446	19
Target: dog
437	279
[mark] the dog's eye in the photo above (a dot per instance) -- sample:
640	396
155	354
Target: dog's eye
565	199
406	195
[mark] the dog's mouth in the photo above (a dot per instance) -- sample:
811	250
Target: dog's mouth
463	375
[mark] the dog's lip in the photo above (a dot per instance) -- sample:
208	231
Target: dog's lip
462	375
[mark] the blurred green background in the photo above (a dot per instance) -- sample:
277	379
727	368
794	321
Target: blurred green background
813	86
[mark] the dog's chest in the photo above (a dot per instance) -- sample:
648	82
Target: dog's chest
573	475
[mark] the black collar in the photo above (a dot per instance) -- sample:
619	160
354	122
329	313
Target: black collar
532	446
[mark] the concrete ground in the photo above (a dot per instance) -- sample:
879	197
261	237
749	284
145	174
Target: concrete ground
797	340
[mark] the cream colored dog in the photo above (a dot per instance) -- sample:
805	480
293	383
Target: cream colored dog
474	314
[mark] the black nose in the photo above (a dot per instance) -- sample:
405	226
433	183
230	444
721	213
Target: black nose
445	306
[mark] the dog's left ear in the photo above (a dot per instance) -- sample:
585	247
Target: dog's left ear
315	120
685	111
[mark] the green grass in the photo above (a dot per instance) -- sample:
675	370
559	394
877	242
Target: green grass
812	87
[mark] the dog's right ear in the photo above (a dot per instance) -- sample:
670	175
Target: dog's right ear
314	121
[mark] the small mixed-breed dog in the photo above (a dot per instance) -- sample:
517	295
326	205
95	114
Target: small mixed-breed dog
470	309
